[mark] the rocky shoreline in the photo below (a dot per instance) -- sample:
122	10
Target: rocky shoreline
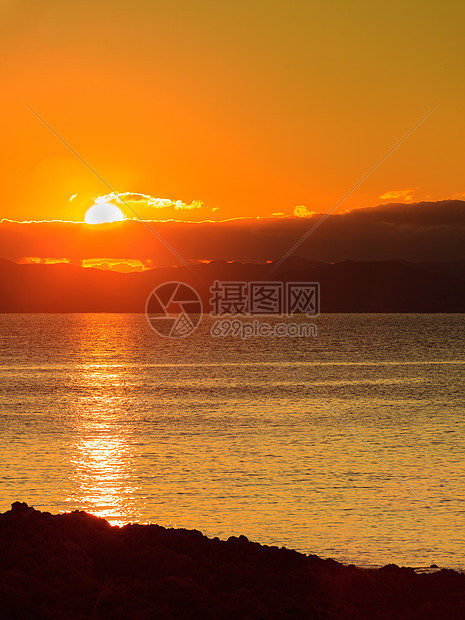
77	566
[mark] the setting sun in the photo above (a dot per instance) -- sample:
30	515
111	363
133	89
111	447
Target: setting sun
103	213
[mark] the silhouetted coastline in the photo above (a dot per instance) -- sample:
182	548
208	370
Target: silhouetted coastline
350	286
75	565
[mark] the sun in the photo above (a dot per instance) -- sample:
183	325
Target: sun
103	213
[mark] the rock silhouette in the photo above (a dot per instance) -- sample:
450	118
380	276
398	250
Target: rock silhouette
77	566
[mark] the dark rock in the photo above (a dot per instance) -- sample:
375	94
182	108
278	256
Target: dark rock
77	566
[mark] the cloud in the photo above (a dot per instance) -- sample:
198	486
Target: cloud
43	260
149	201
302	211
118	264
423	231
399	194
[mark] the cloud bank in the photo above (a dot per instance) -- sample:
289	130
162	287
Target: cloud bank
416	232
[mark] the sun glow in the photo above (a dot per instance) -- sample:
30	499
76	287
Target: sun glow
103	213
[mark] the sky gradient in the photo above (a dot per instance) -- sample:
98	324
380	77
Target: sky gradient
252	108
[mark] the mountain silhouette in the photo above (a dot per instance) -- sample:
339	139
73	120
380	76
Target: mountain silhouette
349	286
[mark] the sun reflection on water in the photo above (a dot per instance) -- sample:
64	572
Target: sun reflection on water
103	475
103	453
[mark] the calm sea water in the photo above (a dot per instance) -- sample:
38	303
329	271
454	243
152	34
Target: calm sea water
349	445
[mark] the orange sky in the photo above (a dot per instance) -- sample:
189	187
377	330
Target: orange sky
252	107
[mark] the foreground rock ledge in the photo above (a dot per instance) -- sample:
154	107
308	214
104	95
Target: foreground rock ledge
76	565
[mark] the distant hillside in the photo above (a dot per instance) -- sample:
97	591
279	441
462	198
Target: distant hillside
390	286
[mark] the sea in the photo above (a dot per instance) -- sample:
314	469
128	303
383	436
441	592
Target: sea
347	443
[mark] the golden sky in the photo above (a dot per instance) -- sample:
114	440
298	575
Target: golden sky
251	107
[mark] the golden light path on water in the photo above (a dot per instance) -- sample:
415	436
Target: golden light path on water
102	454
102	479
